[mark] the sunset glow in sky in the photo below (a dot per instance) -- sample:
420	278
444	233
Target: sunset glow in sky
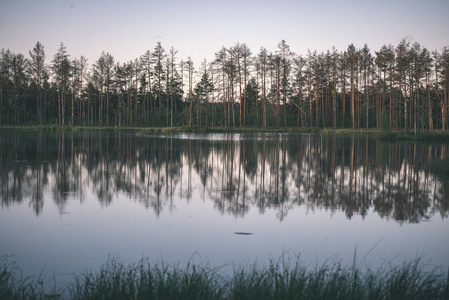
199	28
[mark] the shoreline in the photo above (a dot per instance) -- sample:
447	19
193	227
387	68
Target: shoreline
391	135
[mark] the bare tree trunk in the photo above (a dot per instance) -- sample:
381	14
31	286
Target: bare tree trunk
405	110
59	105
232	101
334	98
107	100
224	97
135	93
245	71
1	100
443	107
343	121
391	97
264	96
317	103
367	99
240	87
73	105
352	97
310	98
213	97
278	75
429	103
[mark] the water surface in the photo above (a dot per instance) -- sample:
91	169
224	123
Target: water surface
71	200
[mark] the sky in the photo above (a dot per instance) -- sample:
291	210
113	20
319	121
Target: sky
200	28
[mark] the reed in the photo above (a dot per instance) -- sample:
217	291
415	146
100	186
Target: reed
284	278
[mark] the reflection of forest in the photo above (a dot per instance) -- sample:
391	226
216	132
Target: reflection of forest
354	174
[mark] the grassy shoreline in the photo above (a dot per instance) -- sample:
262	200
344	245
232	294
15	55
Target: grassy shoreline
385	135
280	279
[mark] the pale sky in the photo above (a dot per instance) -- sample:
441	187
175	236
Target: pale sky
199	28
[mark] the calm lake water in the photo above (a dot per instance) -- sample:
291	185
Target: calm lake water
71	200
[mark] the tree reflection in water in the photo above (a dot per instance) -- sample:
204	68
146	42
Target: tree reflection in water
356	174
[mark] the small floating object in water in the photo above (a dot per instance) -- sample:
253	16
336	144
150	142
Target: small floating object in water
243	233
53	296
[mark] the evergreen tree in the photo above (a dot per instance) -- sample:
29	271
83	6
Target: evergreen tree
203	89
37	72
61	71
19	65
159	73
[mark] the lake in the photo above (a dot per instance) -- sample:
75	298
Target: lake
70	200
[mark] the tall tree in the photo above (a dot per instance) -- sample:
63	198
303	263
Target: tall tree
159	73
99	81
262	60
37	71
444	69
74	84
334	63
5	74
402	66
343	67
136	67
311	57
427	68
61	70
367	62
190	70
203	89
82	76
147	65
19	66
221	58
285	68
246	57
103	69
352	56
298	84
109	68
231	71
173	82
120	86
236	53
421	60
167	89
275	64
385	59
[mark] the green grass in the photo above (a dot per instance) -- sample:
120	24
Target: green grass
279	279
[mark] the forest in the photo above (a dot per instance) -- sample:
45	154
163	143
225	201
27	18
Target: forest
401	87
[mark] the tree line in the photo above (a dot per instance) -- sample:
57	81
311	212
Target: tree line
401	87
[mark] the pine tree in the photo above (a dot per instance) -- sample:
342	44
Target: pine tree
19	66
159	73
61	70
37	71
